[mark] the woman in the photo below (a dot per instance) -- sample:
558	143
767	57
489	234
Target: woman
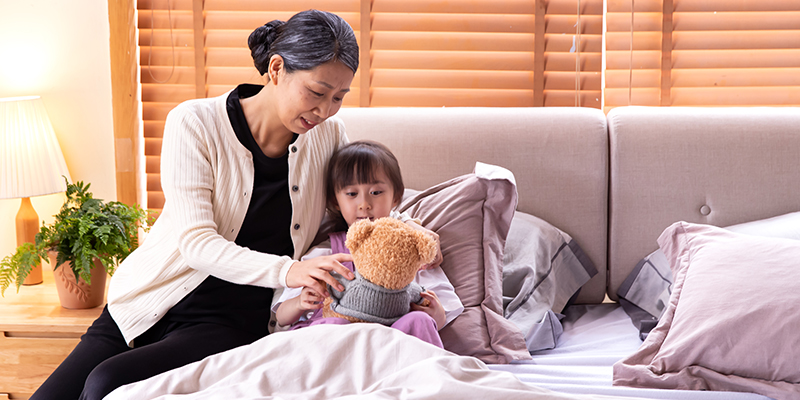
242	175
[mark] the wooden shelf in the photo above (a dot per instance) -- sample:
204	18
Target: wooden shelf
36	334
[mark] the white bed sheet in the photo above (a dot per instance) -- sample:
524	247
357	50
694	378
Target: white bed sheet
325	362
370	361
594	338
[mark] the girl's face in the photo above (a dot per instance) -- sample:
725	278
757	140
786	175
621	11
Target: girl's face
366	200
307	98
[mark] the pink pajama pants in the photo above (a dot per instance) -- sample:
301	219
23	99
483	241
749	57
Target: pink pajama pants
415	323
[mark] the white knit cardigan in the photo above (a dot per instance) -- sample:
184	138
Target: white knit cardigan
207	179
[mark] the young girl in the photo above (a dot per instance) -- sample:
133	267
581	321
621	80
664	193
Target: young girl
364	181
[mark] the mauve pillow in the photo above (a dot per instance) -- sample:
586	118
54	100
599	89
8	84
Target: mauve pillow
472	215
648	286
730	324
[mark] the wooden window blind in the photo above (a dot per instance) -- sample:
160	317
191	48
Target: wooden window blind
423	53
485	53
573	42
166	58
702	53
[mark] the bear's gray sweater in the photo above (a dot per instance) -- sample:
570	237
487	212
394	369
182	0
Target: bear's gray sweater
365	300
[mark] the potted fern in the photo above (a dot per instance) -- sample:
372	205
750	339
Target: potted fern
89	237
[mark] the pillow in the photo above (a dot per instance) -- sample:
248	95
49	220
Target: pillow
647	288
543	268
730	324
472	215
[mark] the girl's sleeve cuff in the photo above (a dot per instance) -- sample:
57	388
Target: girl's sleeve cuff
404	217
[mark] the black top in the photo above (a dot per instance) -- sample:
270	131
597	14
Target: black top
265	229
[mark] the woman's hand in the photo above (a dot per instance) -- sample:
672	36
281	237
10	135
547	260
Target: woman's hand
434	309
437	261
314	275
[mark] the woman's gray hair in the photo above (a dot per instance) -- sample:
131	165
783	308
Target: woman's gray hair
305	41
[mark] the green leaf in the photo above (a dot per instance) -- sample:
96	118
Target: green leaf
85	228
16	267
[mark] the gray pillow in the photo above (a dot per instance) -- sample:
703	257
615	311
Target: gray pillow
543	268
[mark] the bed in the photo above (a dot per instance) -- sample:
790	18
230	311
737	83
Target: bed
554	223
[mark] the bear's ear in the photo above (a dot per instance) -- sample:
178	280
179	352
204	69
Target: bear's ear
357	233
426	246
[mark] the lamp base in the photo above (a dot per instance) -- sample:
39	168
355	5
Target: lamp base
27	228
35	277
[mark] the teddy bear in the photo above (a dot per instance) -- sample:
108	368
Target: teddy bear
387	254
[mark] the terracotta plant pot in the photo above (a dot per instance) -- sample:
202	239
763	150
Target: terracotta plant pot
77	295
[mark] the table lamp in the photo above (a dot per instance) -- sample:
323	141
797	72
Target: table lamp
31	163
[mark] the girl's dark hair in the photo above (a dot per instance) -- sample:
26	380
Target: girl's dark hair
357	163
306	40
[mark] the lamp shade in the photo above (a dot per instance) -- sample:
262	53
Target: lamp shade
31	162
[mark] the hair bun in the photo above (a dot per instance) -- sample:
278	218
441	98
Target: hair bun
260	40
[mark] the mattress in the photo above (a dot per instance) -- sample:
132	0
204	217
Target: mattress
594	338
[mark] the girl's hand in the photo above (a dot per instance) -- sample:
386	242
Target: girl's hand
434	309
314	274
291	310
310	300
437	261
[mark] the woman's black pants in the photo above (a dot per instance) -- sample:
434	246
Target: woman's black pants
102	361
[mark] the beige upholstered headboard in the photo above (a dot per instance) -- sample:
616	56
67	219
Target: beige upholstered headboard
559	157
718	166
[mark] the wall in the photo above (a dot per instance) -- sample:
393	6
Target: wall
59	50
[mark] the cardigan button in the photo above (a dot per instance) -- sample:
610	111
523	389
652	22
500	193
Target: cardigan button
294	149
295	188
296	226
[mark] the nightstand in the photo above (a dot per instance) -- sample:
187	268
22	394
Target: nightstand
37	334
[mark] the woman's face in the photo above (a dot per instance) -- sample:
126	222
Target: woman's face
307	98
